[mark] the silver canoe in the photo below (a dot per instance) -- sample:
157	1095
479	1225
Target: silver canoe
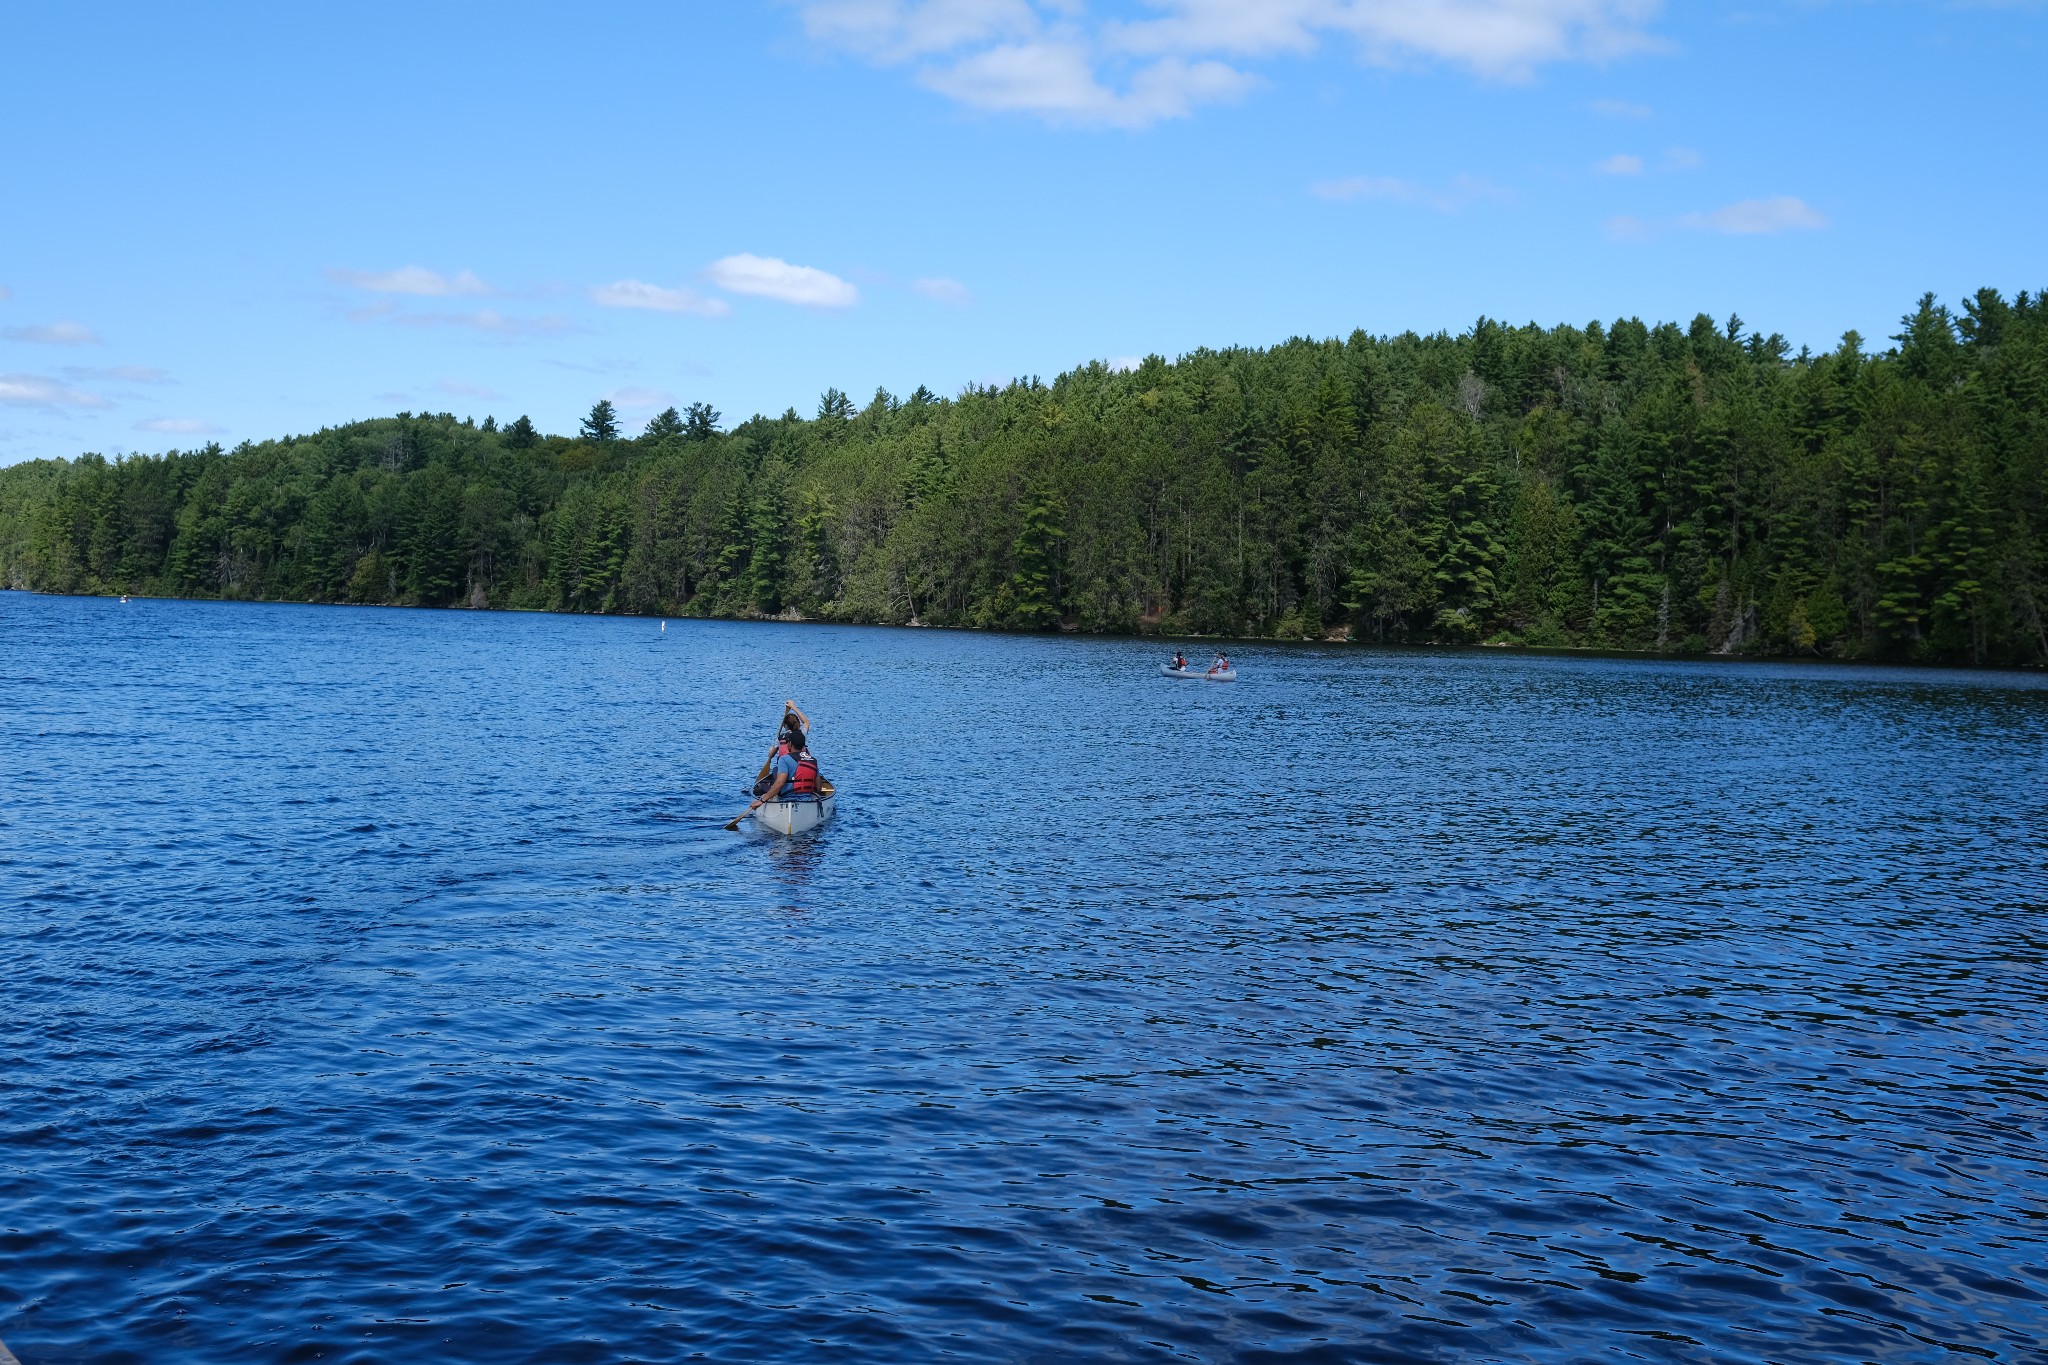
1227	675
798	816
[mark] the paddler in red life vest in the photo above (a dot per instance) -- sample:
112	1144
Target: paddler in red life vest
1222	664
1180	662
794	722
793	718
792	773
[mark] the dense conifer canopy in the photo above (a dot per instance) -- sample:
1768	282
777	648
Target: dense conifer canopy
1687	489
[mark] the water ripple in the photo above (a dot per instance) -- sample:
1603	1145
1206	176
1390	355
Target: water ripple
381	985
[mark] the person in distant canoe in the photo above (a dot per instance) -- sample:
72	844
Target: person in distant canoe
792	773
1222	664
1180	662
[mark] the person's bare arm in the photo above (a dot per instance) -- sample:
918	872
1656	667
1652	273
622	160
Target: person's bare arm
773	788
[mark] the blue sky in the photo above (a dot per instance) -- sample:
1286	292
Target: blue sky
230	222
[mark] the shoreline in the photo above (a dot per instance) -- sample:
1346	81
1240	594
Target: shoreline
1257	641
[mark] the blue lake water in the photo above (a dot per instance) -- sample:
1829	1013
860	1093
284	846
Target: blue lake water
380	985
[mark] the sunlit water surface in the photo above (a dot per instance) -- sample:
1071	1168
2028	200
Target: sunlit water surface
381	985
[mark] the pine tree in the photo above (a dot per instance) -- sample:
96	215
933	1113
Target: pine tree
701	422
1034	585
602	425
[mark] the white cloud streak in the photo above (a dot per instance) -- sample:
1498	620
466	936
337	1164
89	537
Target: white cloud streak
1462	193
942	290
35	391
770	277
1622	109
492	322
53	334
1759	217
1750	218
463	389
178	426
486	320
655	298
1056	81
127	374
634	399
1052	60
1621	163
412	279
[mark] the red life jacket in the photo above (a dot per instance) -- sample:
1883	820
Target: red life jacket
805	783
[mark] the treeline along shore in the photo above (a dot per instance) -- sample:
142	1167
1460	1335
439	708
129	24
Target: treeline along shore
1688	489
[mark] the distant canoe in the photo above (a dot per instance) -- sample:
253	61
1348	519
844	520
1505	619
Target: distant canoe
1227	675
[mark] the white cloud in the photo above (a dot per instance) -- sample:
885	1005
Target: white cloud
5	293
1623	109
462	389
412	279
127	374
1627	163
1053	60
54	334
1460	194
899	30
771	278
34	391
1056	81
607	366
655	298
1499	39
1230	26
1759	217
487	320
178	426
641	400
496	323
1750	218
1123	364
942	290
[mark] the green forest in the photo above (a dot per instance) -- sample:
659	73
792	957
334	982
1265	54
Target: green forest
1689	489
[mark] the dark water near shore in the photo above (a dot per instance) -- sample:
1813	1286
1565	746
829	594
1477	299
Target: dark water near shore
379	985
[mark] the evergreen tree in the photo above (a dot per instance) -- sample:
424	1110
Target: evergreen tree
702	422
602	425
1034	584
